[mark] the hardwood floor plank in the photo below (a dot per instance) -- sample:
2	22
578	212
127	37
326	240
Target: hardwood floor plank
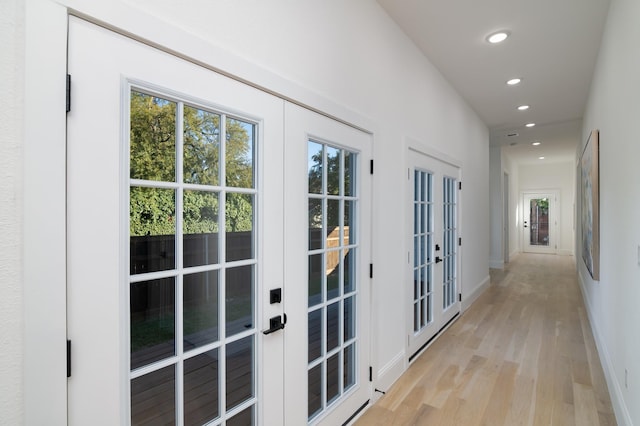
377	415
426	415
521	407
585	405
501	396
523	354
563	414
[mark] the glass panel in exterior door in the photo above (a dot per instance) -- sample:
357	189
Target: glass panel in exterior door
192	263
422	250
332	334
449	243
539	226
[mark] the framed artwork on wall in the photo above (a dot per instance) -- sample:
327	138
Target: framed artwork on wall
590	205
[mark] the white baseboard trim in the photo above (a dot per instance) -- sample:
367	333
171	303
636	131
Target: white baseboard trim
389	373
615	391
565	252
470	296
496	264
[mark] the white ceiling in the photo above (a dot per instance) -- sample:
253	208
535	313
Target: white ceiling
553	48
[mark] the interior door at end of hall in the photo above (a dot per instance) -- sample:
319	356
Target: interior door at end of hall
175	207
538	226
433	260
327	269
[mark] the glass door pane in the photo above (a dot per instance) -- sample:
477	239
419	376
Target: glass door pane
422	249
192	262
332	297
539	222
449	242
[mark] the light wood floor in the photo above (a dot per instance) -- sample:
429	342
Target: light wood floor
523	354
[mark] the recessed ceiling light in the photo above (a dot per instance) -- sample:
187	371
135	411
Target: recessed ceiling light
514	81
523	107
530	124
498	37
540	158
535	143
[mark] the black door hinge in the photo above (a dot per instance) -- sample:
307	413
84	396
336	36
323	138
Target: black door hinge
459	297
371	166
460	241
460	186
370	374
371	270
68	358
68	92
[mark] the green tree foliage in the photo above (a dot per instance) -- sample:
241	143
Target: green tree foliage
239	154
153	138
152	212
201	147
333	172
239	212
153	157
200	212
543	204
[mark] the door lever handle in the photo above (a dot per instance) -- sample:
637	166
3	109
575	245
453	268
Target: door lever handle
438	260
275	324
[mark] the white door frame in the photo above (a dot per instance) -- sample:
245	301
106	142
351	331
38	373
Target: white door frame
413	148
505	218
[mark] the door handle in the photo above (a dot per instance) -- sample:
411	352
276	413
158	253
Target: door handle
275	324
525	226
438	260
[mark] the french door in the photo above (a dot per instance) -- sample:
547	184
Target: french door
539	222
183	304
334	382
433	285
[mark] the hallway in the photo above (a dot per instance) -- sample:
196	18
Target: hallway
523	354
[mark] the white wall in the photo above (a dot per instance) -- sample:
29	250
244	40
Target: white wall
11	206
348	59
554	176
613	301
501	163
515	221
496	240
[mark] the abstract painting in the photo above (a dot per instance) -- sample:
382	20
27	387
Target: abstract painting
590	205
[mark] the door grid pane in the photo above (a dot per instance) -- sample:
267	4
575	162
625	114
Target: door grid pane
539	218
422	249
449	242
192	282
332	283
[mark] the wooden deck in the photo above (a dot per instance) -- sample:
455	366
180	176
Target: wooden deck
523	354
